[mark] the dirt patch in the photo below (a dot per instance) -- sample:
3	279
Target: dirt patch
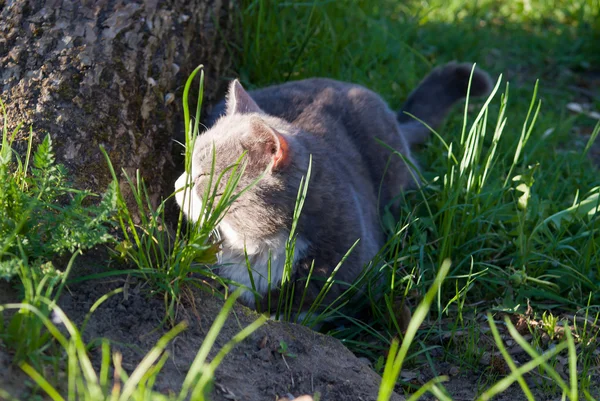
12	379
253	371
7	293
133	321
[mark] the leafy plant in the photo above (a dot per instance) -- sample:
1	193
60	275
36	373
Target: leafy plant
41	217
549	323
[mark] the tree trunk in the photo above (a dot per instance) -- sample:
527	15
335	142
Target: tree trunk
109	73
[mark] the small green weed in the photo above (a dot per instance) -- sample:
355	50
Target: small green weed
283	350
549	323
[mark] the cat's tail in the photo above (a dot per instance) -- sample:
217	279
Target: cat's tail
435	96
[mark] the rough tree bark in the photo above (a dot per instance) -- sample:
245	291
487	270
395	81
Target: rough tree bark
106	72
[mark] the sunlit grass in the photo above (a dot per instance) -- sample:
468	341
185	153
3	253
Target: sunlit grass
509	195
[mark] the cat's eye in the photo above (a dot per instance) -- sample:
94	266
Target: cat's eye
200	176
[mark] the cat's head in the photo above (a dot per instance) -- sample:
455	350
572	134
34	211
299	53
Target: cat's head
264	139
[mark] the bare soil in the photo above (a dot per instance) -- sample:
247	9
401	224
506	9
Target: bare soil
253	371
134	321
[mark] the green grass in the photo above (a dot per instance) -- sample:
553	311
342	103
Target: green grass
522	237
512	201
175	259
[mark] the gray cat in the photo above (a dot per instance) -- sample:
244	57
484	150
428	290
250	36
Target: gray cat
353	175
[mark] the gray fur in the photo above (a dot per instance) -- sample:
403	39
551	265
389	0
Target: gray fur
436	95
337	124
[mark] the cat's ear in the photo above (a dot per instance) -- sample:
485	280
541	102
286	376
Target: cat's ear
264	144
239	101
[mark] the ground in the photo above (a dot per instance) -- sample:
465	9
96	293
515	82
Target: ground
256	369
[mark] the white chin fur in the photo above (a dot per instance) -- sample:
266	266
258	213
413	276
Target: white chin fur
187	198
233	260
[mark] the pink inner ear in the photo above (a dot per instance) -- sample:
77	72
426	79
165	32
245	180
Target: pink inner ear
281	157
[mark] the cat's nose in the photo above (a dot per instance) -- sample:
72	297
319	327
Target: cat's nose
179	186
186	197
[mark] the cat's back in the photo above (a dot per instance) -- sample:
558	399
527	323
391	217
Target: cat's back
291	99
303	101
